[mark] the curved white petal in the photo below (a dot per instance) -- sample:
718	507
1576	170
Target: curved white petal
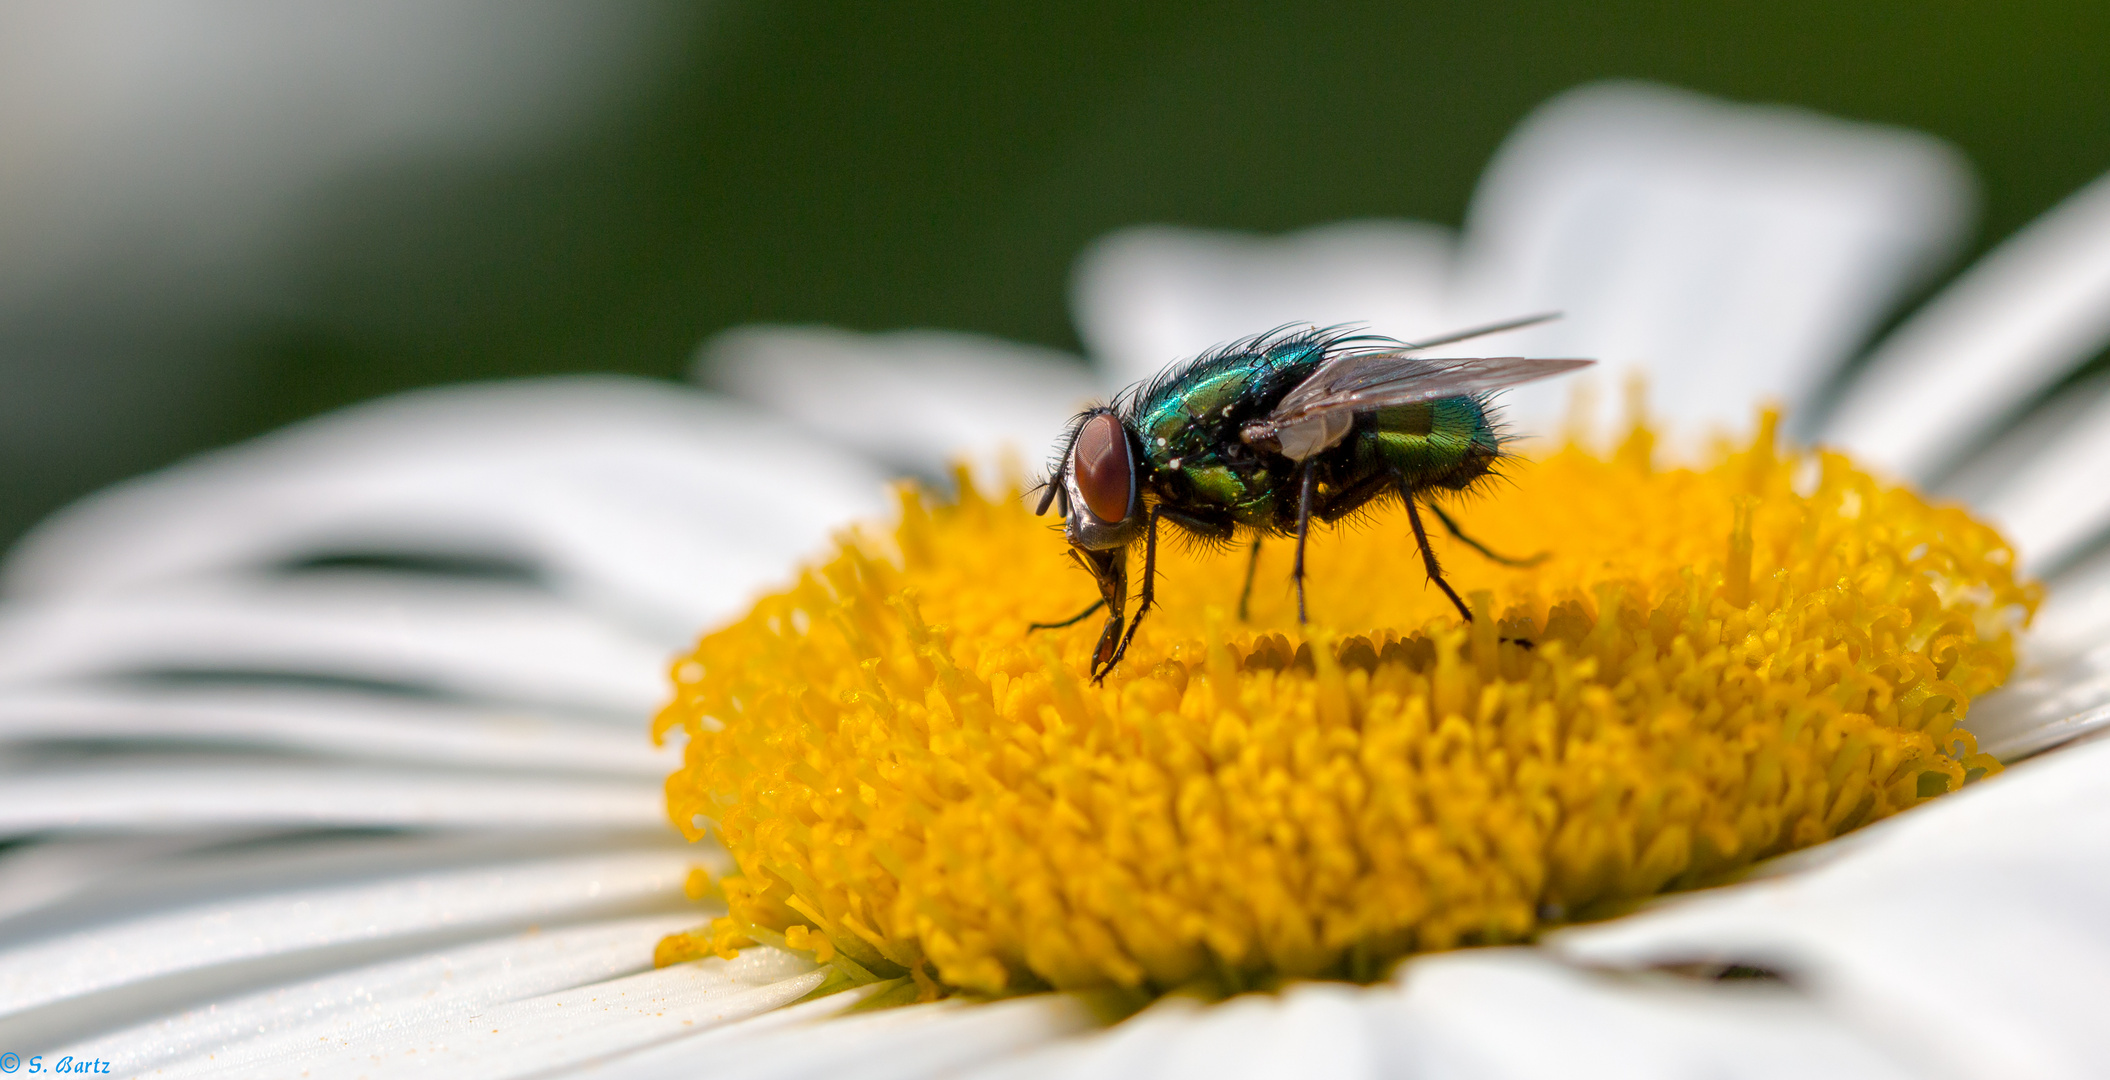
38	875
336	724
57	984
435	986
1970	927
2075	616
211	868
1134	1047
1733	253
2014	324
2060	690
543	1034
1482	1014
649	499
1985	472
1147	296
917	399
1315	1030
2055	504
1502	1013
903	1043
481	641
2047	702
181	795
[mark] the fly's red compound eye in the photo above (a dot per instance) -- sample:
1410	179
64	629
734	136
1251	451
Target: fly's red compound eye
1100	462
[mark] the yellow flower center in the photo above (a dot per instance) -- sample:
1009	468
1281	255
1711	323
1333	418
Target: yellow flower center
1728	663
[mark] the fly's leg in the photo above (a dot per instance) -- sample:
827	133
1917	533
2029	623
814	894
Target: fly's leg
1477	546
1109	569
1483	549
1108	650
1071	621
1245	595
1428	558
1296	572
1150	588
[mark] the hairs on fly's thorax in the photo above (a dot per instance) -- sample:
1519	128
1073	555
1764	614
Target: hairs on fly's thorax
1293	339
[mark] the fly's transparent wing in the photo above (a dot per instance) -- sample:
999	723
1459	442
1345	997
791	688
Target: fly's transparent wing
1320	411
1358	382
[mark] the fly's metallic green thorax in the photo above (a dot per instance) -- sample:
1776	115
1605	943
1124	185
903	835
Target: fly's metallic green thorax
1262	437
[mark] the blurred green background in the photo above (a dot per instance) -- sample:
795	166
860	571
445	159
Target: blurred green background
940	164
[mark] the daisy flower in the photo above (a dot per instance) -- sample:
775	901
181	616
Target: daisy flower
326	754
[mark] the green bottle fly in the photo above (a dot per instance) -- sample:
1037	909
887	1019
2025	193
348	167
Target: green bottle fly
1260	437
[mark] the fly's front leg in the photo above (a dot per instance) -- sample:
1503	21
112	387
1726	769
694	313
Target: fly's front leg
1483	549
1110	570
1245	595
1428	558
1071	621
1296	572
1150	588
1109	648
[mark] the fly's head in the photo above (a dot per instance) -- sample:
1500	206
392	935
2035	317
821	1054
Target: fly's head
1098	485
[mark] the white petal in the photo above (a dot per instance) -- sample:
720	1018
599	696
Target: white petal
1500	1013
483	641
2060	689
180	795
905	1043
2040	709
1733	253
1482	1014
209	869
59	983
917	399
1970	927
1315	1030
1134	1047
544	1034
36	875
645	498
2075	616
1145	297
2053	505
448	983
1985	472
335	723
2022	318
1309	1030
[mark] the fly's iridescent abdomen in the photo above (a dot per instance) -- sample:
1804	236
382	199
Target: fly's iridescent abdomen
1447	443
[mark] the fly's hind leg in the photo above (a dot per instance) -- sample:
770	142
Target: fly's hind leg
1454	530
1245	595
1428	558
